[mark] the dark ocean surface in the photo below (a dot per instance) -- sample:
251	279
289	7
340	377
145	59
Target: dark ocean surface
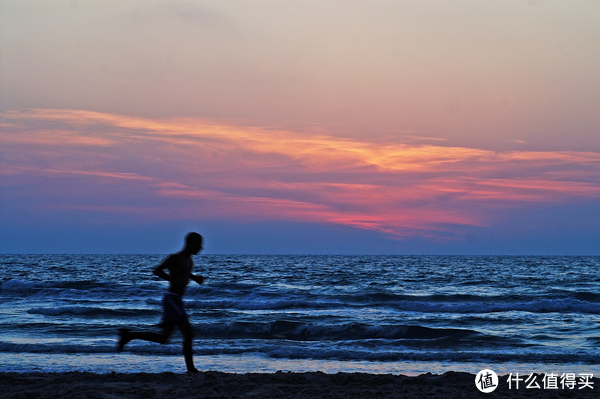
377	314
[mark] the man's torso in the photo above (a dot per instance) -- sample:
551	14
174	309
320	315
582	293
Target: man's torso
180	267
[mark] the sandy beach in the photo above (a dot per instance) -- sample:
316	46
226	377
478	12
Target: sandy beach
312	385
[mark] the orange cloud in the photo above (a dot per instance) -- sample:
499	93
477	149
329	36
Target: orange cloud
213	169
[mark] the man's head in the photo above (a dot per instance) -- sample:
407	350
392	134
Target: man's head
193	243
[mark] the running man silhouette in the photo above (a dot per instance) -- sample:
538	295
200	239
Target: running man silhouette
180	267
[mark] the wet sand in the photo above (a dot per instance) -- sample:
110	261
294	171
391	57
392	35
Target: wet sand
311	385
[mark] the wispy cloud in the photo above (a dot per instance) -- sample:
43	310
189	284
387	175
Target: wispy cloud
199	168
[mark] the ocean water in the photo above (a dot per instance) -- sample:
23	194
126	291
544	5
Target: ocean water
376	314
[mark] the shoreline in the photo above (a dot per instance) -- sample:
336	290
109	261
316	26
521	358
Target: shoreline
216	384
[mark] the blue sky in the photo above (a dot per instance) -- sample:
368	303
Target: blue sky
413	127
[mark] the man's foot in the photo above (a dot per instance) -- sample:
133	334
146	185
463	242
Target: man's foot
123	339
193	371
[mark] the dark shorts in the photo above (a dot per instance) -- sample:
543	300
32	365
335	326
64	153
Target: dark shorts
173	311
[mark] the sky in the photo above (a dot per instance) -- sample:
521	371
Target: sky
300	127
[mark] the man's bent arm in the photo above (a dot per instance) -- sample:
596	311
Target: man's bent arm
197	278
160	270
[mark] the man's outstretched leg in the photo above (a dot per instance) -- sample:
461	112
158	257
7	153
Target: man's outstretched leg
188	352
125	336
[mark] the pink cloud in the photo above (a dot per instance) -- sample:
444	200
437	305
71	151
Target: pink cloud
190	167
